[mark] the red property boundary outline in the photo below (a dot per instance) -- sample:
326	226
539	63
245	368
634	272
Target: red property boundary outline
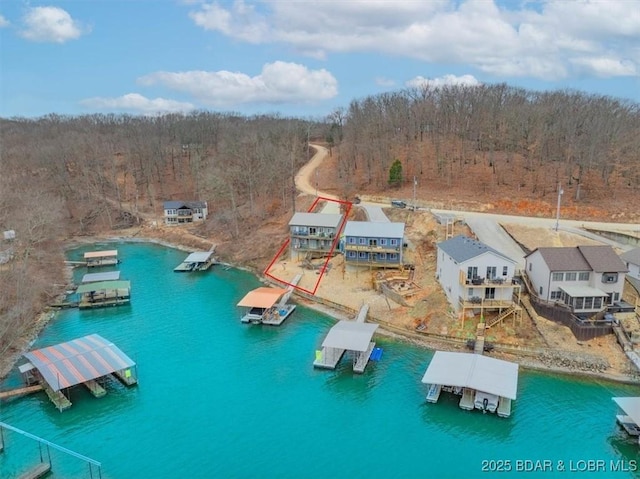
333	247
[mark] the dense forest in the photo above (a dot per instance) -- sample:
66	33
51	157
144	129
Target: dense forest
69	176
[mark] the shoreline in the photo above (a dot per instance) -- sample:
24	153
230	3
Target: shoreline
433	344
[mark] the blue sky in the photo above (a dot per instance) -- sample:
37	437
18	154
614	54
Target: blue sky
298	57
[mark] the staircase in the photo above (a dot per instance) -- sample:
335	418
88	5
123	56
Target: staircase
500	317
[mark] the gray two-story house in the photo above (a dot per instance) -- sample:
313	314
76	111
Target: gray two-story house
373	244
586	279
314	233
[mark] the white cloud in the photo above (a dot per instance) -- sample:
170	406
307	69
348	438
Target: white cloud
137	103
548	40
3	22
420	81
606	67
279	82
50	24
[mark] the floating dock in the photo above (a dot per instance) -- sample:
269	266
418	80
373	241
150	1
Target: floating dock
267	305
348	336
80	361
484	383
101	258
199	261
104	293
630	420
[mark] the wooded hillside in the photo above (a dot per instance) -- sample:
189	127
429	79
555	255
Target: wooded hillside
69	176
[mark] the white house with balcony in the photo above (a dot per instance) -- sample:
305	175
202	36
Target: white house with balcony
477	277
586	279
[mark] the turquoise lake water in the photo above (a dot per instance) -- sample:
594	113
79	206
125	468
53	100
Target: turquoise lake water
221	399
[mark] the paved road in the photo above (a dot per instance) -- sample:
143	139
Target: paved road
486	226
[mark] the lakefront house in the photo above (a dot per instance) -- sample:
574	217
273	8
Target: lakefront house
585	279
181	212
373	244
476	277
313	233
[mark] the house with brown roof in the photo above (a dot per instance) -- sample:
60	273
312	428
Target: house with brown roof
586	279
632	260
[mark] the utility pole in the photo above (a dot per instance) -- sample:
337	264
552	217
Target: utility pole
415	183
560	192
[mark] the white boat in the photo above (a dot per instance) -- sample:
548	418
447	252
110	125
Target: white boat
485	401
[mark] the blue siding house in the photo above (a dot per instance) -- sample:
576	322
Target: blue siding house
378	244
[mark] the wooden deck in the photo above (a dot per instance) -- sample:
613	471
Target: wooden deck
40	470
57	398
278	315
103	301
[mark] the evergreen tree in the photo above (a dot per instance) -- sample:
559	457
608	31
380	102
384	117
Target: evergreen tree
395	174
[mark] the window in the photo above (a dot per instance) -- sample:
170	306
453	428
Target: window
489	293
382	256
373	242
555	295
313	231
472	272
588	302
540	290
363	255
362	240
383	241
393	242
584	276
351	240
609	277
505	270
351	254
491	272
530	266
570	276
470	292
616	297
597	303
557	276
578	302
393	256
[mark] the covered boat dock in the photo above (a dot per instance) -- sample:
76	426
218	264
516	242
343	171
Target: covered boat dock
104	293
484	383
352	336
97	277
199	261
267	306
630	420
83	361
101	258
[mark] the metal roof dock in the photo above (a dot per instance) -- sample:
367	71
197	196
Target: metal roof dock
484	383
80	361
104	293
352	336
267	305
97	277
630	420
199	261
101	258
